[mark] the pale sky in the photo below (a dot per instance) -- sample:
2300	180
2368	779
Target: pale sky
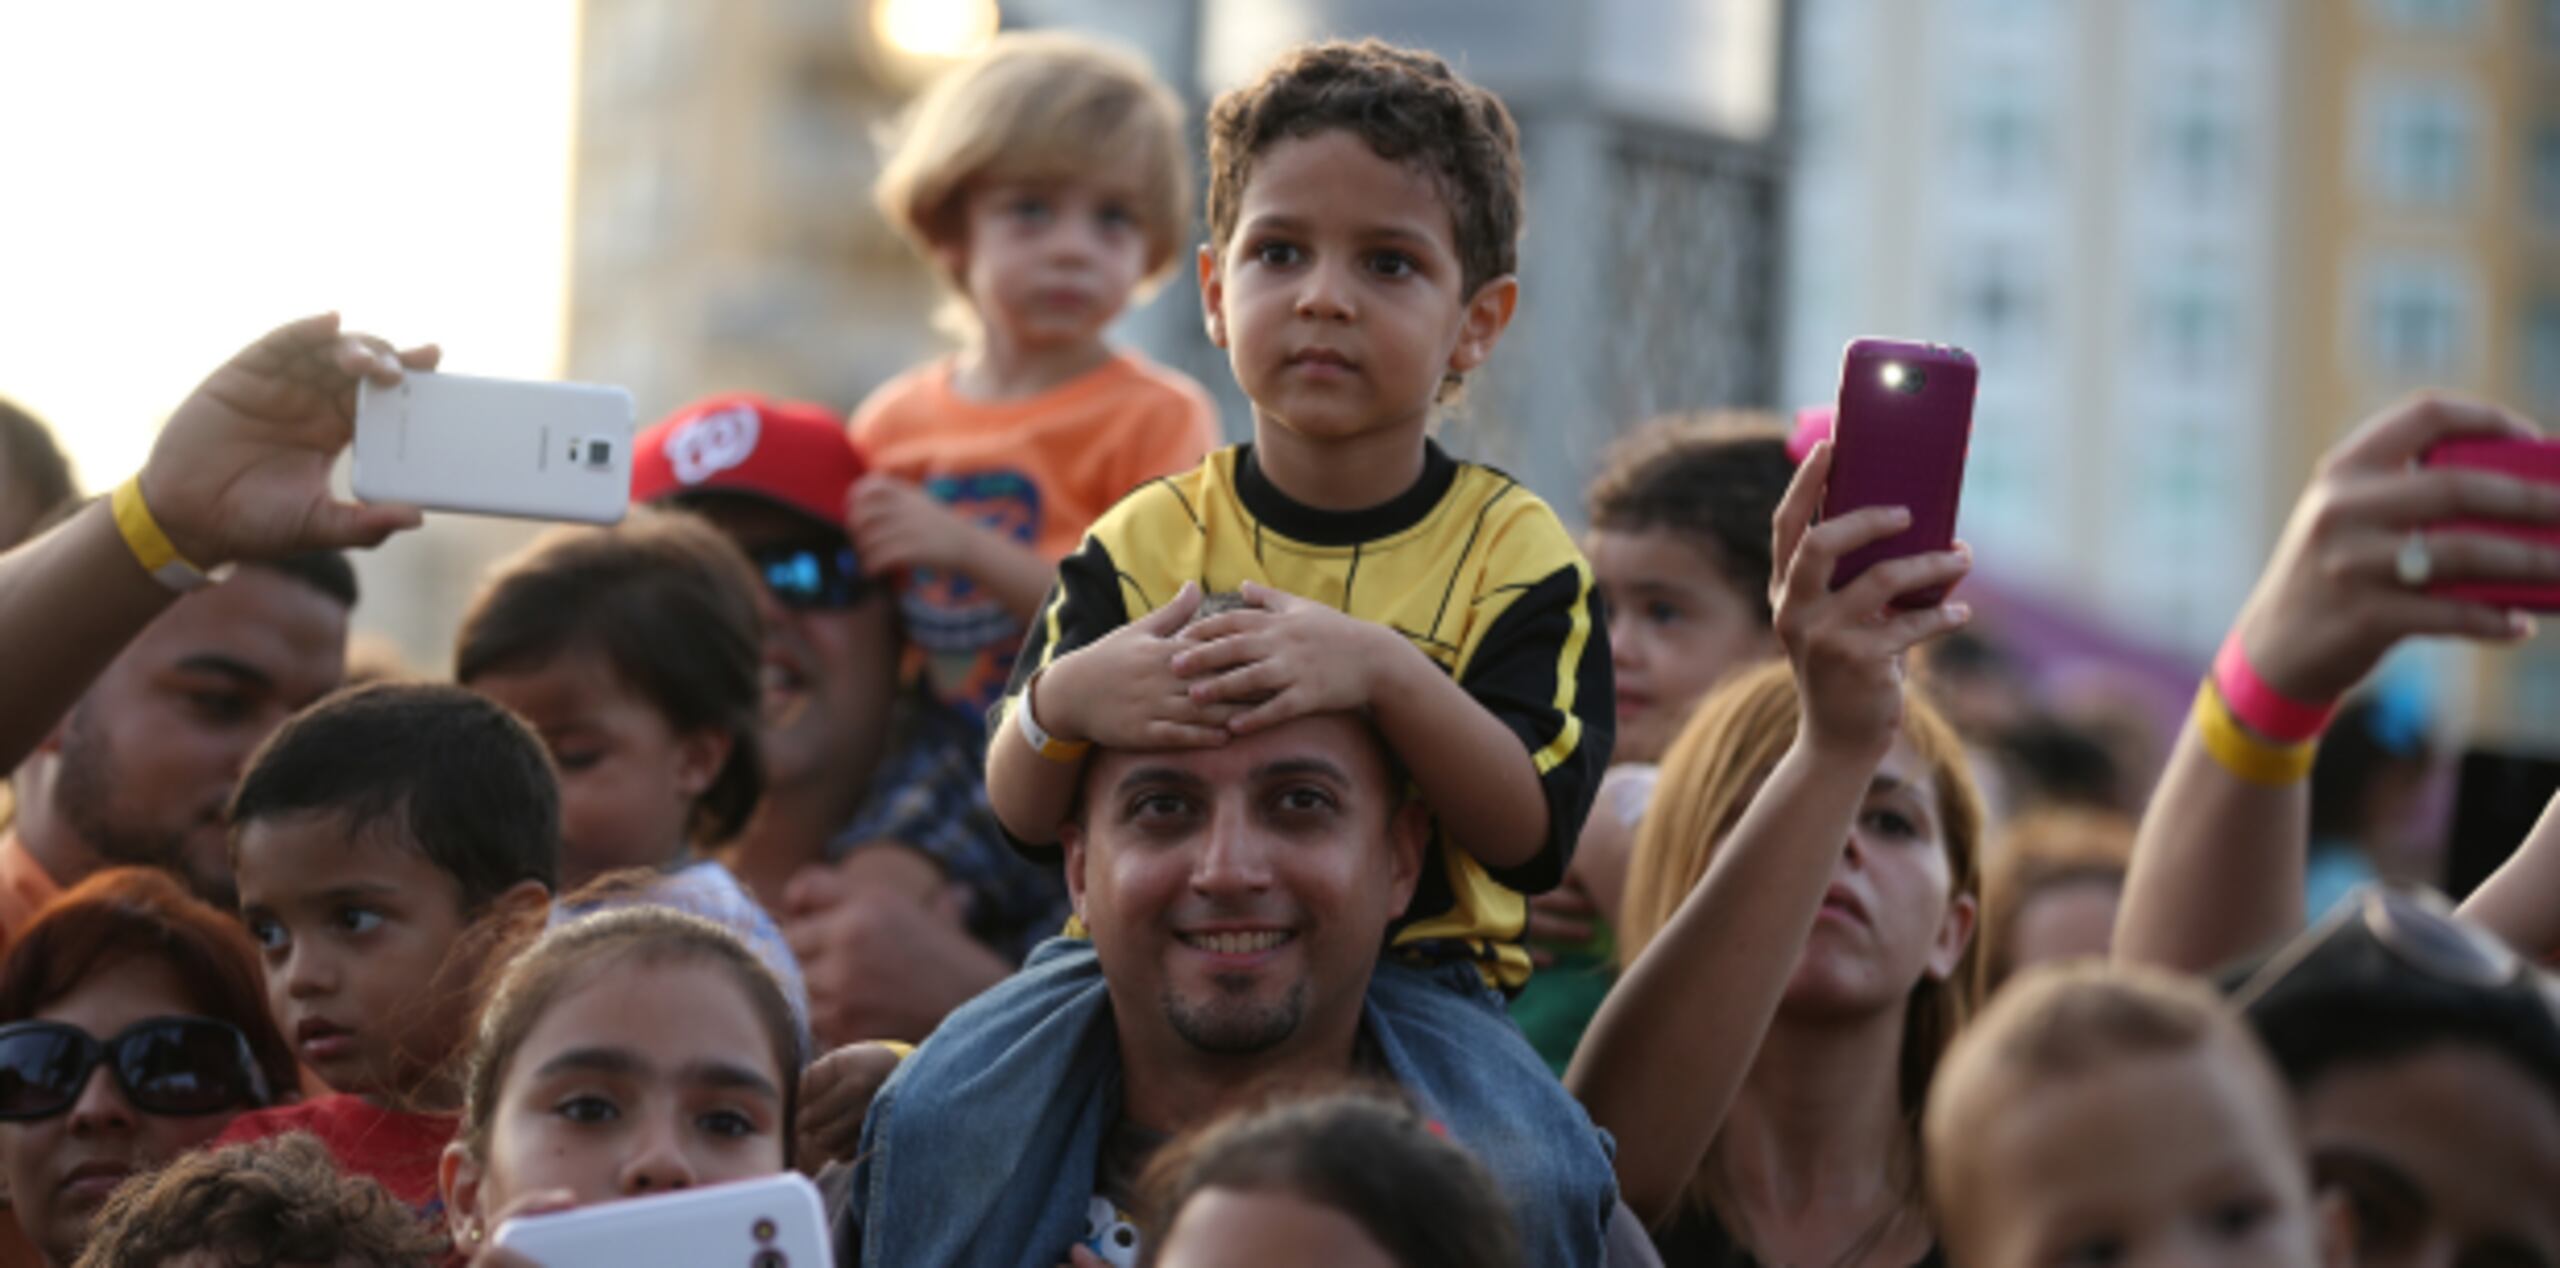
178	176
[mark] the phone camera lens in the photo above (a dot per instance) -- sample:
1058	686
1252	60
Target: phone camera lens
599	453
770	1259
1903	378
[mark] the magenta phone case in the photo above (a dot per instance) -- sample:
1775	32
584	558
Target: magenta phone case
1906	414
2535	460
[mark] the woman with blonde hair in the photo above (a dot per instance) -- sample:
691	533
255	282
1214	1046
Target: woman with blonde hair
1798	930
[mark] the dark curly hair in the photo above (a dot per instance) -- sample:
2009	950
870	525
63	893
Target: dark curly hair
275	1201
1714	479
1409	107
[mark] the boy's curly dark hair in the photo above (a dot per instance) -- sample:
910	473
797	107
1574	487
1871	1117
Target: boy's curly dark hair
1410	108
275	1201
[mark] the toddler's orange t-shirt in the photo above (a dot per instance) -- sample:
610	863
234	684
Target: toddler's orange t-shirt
1040	469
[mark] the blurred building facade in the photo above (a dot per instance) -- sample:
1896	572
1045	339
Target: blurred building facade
2083	195
2192	242
724	236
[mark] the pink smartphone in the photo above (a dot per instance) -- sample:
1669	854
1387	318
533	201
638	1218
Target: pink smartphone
2535	460
1905	417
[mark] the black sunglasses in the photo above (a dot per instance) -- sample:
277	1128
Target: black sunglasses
174	1067
811	576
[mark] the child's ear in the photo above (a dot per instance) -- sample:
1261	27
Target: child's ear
458	1179
1213	294
521	899
1488	315
700	755
1955	933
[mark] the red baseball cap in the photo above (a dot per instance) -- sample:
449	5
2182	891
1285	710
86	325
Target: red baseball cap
789	453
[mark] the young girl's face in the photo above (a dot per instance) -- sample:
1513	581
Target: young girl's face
1224	1228
628	778
642	1079
1677	626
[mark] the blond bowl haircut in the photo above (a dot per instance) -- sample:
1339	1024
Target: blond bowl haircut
2058	1022
1039	106
1707	779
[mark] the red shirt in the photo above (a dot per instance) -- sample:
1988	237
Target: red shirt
398	1149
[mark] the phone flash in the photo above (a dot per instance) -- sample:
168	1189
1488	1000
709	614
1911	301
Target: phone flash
765	1230
1894	375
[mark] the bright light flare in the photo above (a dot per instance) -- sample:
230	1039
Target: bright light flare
934	30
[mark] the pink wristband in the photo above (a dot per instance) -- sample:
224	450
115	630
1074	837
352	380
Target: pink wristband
2275	716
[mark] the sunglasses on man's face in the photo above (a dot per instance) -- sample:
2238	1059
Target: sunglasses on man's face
174	1067
812	577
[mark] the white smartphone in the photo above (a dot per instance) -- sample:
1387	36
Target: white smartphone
774	1222
451	442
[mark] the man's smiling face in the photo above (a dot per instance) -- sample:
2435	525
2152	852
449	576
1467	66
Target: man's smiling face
1238	897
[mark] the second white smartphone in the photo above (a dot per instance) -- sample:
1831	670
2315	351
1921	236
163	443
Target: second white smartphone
775	1222
451	442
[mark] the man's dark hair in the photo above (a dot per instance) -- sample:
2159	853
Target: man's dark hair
1714	480
1408	107
274	1201
326	571
32	461
448	770
668	604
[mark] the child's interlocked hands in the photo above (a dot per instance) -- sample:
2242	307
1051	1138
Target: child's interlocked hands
1281	657
1123	691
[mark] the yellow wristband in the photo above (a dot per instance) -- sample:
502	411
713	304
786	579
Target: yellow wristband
150	544
2243	754
1064	752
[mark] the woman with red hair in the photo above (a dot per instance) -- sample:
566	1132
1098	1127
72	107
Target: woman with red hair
133	1026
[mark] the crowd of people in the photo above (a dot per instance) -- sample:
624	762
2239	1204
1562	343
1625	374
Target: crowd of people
1070	841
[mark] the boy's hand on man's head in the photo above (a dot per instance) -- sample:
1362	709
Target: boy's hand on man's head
1121	691
241	469
835	1094
1283	657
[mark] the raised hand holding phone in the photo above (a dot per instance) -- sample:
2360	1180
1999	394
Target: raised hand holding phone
1898	440
552	451
2523	458
1847	641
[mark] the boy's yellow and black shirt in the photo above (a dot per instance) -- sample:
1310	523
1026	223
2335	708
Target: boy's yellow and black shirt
1468	564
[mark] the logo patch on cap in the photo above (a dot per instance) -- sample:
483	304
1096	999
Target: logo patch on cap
712	443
